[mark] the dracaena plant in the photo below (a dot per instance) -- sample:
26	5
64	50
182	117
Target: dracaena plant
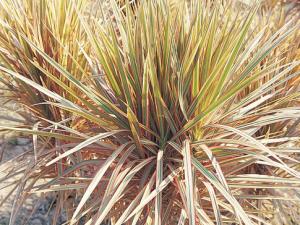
187	114
53	27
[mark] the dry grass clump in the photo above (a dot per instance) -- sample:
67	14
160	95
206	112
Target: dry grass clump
161	112
54	28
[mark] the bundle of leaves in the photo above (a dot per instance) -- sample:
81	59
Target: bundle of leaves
54	28
188	113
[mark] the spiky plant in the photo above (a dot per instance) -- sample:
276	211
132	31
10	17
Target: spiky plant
53	27
187	118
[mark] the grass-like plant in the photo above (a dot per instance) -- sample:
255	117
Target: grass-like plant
54	28
188	113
